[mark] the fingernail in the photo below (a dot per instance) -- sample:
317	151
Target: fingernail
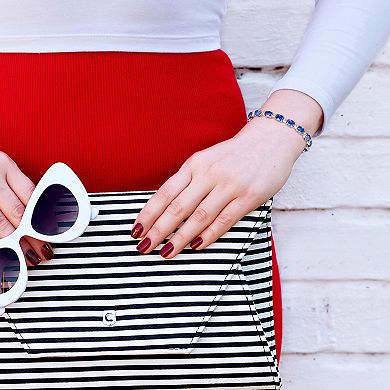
47	251
144	244
196	242
33	257
137	230
166	249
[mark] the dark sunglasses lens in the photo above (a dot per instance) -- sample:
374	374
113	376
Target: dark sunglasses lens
55	212
9	269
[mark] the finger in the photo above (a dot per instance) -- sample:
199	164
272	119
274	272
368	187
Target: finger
11	206
18	194
227	217
31	256
203	216
42	248
6	228
19	183
13	210
159	202
174	214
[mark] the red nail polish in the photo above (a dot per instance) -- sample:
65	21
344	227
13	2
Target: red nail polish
196	242
47	251
33	257
166	249
144	244
137	230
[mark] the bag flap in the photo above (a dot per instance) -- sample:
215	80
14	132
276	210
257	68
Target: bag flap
100	296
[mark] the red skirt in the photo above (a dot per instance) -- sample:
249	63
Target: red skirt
121	120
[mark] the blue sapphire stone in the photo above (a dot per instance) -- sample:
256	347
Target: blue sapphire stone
258	112
309	142
279	117
300	129
250	115
307	137
290	122
268	113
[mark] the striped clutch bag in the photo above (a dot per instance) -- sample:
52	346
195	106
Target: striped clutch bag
101	314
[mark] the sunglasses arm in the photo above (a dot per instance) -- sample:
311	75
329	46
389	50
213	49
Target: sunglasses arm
94	214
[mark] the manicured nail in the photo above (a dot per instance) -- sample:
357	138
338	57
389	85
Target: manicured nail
32	257
47	251
137	230
144	244
196	242
166	249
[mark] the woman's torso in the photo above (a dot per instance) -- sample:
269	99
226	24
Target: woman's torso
122	119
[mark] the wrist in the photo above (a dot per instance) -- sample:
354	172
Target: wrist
277	136
298	106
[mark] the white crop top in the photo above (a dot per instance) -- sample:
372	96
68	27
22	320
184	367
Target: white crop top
341	40
127	25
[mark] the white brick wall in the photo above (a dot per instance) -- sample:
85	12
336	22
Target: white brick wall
331	221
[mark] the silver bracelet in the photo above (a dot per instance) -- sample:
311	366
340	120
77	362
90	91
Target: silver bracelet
289	122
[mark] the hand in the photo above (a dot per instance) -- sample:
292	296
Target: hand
15	191
217	186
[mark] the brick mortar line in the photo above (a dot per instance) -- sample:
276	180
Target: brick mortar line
281	69
340	353
337	208
341	281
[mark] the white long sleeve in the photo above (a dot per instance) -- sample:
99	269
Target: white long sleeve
341	40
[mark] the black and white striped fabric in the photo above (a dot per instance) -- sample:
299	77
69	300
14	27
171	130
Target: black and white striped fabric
102	315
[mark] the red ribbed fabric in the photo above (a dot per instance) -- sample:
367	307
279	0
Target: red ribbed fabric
121	120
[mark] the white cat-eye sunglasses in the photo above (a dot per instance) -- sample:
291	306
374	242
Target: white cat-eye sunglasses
58	211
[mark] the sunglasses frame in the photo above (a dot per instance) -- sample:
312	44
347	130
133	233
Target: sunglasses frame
58	173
